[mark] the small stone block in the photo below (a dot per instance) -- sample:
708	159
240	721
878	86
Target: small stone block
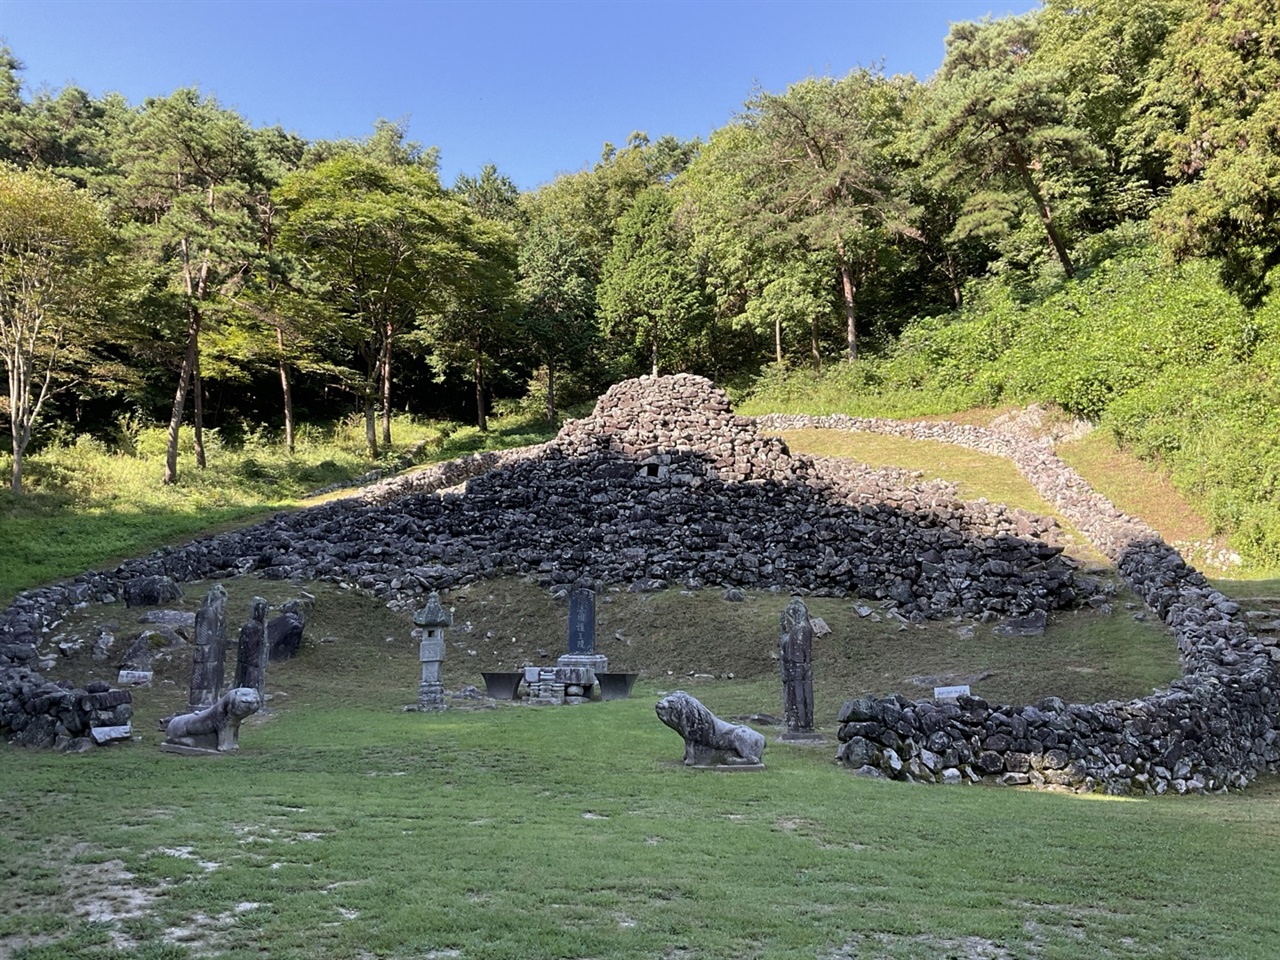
108	734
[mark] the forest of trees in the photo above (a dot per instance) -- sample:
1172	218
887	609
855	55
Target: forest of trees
167	261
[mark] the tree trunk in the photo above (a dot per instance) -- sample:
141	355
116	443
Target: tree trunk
180	397
386	388
813	343
197	409
551	394
481	421
850	306
777	336
653	350
1046	218
287	390
19	409
370	427
20	424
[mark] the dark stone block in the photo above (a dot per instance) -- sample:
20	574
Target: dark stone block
151	591
284	634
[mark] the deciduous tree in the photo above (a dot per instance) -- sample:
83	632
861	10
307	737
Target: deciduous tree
1218	90
385	244
187	163
53	244
650	294
818	171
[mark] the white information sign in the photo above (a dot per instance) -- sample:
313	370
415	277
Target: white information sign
950	693
135	676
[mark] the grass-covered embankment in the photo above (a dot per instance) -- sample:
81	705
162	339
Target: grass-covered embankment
1162	357
88	505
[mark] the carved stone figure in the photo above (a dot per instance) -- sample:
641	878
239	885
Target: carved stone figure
251	662
210	650
215	729
708	740
797	668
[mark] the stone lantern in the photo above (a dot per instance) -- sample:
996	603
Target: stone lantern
430	622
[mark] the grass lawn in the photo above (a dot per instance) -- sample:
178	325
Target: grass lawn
357	831
348	829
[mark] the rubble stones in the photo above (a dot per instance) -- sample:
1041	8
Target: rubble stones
41	713
151	591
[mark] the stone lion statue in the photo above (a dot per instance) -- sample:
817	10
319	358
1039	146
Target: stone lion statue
216	727
708	740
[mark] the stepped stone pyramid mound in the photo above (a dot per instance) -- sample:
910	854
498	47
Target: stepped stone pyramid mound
661	421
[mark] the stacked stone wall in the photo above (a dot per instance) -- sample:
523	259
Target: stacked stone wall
664	483
1214	728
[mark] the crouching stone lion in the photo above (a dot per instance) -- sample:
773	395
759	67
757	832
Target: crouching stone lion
708	740
215	728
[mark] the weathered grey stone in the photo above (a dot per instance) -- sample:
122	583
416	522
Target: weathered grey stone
209	654
216	729
708	740
252	651
284	635
582	622
151	591
796	647
431	621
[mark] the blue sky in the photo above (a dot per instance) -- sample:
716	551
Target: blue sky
535	87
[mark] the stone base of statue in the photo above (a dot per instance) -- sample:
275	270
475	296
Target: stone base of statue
547	688
594	662
431	696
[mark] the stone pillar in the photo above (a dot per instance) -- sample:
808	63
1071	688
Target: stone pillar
210	650
431	621
578	668
797	670
251	663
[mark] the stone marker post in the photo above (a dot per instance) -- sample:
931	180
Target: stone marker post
582	622
251	664
431	621
210	650
797	670
577	669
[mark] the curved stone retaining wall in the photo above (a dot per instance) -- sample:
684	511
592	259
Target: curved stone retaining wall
1214	728
663	482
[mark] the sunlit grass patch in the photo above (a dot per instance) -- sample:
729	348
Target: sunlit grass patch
88	506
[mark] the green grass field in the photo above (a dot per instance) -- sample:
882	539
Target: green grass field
348	829
351	830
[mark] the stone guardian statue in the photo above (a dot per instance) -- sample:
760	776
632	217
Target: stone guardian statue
796	645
